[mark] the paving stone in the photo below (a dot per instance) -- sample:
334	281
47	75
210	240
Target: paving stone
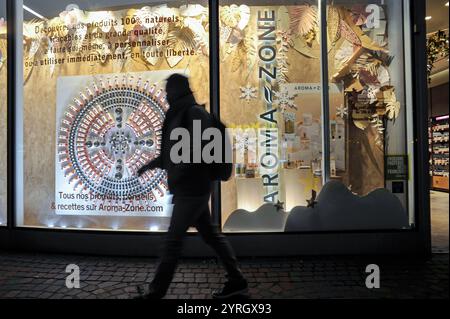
43	277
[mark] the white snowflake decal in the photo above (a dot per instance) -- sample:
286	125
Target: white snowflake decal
342	112
285	99
248	93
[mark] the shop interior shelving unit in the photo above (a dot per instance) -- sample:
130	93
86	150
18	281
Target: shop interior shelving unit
439	152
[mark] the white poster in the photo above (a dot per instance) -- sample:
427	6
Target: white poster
107	127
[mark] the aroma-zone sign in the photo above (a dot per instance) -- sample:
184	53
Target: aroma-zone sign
268	137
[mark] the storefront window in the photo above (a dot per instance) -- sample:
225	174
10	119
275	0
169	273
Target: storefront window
94	105
368	124
3	107
271	97
306	159
271	59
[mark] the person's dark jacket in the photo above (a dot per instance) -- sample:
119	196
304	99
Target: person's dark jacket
184	179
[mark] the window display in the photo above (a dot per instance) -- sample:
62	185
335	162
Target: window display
270	67
367	59
94	104
276	50
3	112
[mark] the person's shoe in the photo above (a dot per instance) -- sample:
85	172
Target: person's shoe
232	288
152	293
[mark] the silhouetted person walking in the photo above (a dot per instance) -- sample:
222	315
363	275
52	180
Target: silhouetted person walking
190	184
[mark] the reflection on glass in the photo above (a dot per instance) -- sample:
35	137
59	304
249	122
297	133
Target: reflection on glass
94	104
3	113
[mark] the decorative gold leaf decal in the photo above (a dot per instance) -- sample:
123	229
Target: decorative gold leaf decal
334	25
393	107
372	67
229	15
348	33
300	45
362	125
352	31
180	39
183	38
304	18
238	58
284	19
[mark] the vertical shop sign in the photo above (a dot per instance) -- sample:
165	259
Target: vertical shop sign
268	135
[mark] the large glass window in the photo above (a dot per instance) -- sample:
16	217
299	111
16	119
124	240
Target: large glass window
3	119
311	153
94	105
271	95
369	151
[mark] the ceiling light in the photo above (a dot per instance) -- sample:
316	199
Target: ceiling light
34	12
446	4
428	18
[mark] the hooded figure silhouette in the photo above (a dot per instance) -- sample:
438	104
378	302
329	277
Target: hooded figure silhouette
177	87
190	183
184	179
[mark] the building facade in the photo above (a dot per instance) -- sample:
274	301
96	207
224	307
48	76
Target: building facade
325	100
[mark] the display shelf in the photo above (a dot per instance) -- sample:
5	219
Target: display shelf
439	152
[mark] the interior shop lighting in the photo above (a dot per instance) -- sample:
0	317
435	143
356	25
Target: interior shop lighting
34	12
428	18
154	228
446	4
440	118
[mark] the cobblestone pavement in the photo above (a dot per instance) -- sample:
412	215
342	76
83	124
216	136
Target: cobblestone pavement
44	276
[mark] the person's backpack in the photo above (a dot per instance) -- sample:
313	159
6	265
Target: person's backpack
222	171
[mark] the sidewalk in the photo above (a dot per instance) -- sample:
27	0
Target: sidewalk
43	276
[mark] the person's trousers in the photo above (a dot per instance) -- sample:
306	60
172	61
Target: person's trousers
192	212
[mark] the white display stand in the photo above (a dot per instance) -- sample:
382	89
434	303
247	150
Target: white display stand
250	193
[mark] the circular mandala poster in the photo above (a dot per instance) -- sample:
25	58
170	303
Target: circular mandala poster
106	133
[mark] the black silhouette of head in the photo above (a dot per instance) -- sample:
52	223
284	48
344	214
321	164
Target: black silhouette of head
177	87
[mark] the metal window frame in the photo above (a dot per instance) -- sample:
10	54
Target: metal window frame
8	159
415	241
